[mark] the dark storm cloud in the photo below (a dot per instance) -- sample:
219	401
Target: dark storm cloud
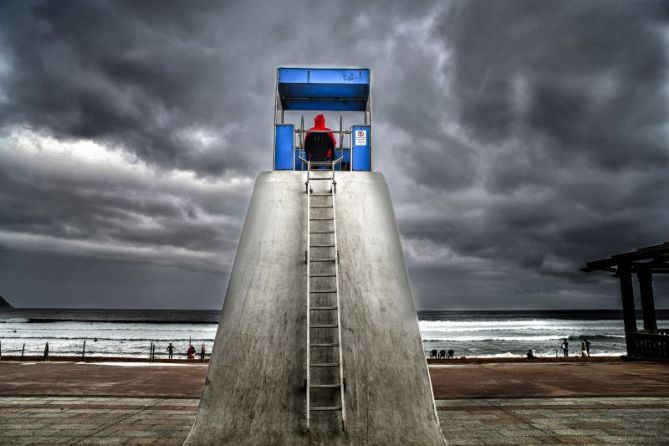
177	89
132	74
146	78
519	138
105	209
566	103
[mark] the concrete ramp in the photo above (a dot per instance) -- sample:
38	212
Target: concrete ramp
255	389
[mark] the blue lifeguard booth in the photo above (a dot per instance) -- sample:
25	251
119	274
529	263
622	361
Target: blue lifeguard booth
323	90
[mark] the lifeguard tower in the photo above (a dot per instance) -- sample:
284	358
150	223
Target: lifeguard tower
318	341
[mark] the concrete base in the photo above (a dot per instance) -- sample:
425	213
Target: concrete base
254	393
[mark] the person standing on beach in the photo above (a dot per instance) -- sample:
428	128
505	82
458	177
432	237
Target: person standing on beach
587	347
202	353
170	350
565	347
583	349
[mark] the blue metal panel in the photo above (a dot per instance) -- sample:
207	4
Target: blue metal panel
324	75
347	157
290	92
341	105
338	76
361	143
299	165
283	151
323	89
293	75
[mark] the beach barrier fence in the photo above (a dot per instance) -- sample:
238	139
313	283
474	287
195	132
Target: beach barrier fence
84	352
649	345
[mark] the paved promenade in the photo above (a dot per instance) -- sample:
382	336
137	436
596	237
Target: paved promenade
481	404
166	421
449	380
537	421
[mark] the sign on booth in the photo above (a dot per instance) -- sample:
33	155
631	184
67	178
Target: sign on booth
361	137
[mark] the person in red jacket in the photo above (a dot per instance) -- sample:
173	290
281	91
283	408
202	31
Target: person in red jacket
319	124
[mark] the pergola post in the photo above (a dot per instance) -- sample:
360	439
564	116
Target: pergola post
645	277
627	296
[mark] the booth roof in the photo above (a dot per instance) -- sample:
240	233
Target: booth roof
336	89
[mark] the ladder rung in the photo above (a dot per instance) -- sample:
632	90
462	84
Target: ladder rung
320	195
324	345
322	275
323	308
323	291
321	260
325	408
322	246
320	179
326	364
325	386
321	232
324	326
321	207
321	218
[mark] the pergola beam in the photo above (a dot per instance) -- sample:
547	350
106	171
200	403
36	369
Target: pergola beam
659	253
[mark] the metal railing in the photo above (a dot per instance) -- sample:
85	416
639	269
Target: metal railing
648	345
330	164
301	132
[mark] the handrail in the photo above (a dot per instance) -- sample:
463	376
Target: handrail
339	329
301	133
345	132
308	260
322	163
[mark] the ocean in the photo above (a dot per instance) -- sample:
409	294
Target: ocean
513	333
130	333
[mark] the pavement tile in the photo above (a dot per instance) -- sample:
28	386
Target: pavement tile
50	440
98	441
12	441
128	421
461	441
75	432
578	439
142	441
522	433
495	440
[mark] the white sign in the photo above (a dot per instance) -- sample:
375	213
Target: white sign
361	137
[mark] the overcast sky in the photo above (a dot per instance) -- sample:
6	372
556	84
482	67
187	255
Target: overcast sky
519	140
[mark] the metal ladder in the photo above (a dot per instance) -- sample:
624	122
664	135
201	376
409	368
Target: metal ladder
325	372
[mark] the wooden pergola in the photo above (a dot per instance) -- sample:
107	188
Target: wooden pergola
648	342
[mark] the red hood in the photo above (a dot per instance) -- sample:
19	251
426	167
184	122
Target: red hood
319	121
